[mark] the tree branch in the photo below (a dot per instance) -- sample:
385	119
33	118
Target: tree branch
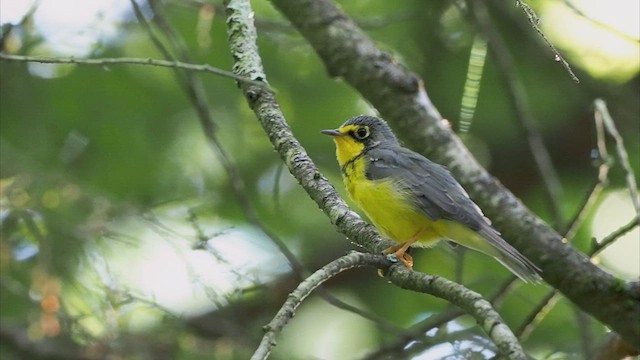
195	92
263	103
419	330
518	98
400	97
469	301
247	62
534	21
604	162
597	247
602	116
397	346
129	61
287	311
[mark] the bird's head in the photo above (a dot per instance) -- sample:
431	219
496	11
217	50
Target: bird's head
359	134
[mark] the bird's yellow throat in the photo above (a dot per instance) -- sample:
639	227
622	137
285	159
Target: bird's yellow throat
347	148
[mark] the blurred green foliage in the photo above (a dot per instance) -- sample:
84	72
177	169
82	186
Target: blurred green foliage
91	156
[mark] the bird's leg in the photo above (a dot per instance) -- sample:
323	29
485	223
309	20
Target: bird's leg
400	252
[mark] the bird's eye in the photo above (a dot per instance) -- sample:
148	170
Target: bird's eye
362	133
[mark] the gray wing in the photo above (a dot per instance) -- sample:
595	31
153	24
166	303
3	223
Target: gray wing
430	186
436	193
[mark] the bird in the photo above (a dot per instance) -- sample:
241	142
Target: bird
412	200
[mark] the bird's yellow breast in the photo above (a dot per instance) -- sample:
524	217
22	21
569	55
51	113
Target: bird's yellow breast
388	208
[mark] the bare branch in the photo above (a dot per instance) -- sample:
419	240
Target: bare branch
518	99
195	92
604	161
401	98
534	21
286	312
536	315
602	115
597	247
130	61
247	62
469	301
242	42
601	24
418	332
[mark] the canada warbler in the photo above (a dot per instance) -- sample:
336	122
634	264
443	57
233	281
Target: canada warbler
413	200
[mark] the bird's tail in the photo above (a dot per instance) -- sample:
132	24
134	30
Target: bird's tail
508	256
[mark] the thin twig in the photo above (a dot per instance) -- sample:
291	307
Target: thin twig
131	61
588	203
518	98
465	344
536	315
277	176
471	302
598	246
417	333
601	24
419	330
602	121
602	115
534	21
196	95
503	290
601	181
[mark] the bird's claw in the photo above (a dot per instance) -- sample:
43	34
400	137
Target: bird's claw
392	258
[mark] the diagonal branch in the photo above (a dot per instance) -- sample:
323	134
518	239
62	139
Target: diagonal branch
518	98
195	92
242	43
534	21
598	247
602	117
247	62
400	97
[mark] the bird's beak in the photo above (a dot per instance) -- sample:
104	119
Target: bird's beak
332	132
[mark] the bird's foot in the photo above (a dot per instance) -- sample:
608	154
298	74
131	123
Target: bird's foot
404	258
398	253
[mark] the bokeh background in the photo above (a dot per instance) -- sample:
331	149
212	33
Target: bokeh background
121	234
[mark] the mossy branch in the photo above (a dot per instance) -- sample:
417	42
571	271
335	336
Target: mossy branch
247	63
400	97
